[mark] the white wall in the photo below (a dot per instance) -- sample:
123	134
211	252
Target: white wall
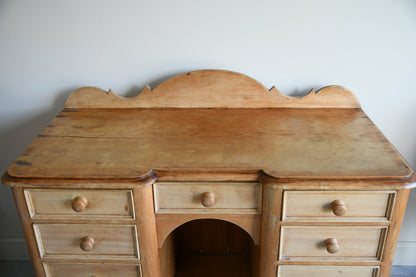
49	48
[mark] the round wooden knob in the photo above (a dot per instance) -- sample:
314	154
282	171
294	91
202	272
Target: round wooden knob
79	204
332	245
87	243
208	199
338	207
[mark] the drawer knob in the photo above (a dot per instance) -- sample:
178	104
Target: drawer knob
338	207
79	204
87	243
208	199
332	245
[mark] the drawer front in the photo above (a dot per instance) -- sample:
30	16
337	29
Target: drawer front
207	197
332	243
337	205
88	270
62	241
72	203
326	271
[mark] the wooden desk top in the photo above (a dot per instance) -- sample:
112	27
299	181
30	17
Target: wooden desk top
304	140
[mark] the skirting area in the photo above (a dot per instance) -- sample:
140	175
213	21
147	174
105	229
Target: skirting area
24	269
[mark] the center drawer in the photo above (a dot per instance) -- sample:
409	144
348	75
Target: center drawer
195	197
85	241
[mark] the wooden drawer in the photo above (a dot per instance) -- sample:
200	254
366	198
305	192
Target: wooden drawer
63	203
62	241
311	242
207	197
337	205
88	270
326	271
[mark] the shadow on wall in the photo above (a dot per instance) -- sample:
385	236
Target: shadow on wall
14	140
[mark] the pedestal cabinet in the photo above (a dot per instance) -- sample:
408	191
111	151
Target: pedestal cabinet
211	174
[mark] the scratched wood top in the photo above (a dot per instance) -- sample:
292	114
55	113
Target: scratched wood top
316	143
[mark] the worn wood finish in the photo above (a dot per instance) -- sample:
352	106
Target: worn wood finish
319	205
326	271
284	143
85	269
311	184
212	89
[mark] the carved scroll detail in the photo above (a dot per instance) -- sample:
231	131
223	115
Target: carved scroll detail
212	89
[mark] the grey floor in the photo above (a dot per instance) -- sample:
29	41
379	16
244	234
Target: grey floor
24	269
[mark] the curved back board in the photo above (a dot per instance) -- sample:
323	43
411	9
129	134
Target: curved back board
212	89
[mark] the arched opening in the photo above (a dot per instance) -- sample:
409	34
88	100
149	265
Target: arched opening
209	247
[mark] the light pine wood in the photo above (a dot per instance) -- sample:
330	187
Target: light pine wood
223	197
284	143
47	203
327	271
212	89
270	230
146	227
60	241
60	269
290	186
393	234
310	243
319	205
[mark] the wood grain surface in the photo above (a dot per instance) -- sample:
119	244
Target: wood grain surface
212	89
287	143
